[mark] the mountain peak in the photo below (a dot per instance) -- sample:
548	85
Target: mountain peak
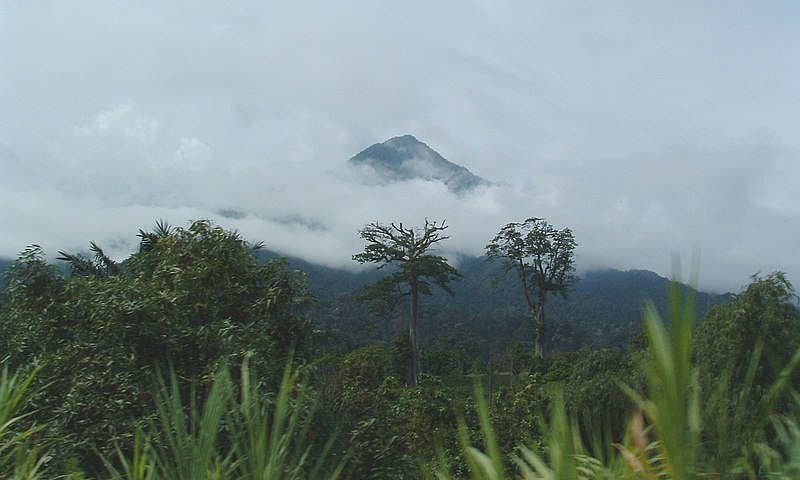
407	138
404	158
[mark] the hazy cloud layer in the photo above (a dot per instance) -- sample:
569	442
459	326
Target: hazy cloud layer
647	130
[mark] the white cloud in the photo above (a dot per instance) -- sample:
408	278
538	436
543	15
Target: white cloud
645	129
192	154
122	120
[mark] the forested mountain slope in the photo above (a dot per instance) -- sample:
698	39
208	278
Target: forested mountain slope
486	311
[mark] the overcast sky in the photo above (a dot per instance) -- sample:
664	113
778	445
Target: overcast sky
648	129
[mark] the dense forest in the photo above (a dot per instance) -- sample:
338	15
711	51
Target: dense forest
204	356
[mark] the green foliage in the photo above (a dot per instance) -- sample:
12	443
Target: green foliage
362	390
519	414
363	374
589	380
491	464
566	455
764	316
603	310
391	430
781	457
191	298
32	314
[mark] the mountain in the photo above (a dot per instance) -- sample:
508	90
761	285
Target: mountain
405	158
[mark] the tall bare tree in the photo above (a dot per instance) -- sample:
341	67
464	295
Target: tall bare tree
543	258
416	269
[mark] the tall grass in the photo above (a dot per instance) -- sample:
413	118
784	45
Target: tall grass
185	444
782	458
17	459
673	403
139	465
235	433
249	436
272	441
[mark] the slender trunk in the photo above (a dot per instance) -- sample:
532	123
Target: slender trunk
538	319
525	293
412	334
536	310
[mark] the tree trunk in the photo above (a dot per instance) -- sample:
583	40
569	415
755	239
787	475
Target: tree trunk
536	309
538	320
412	333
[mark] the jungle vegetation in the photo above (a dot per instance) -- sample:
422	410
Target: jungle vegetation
197	358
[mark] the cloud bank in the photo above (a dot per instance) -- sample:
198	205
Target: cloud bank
649	131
